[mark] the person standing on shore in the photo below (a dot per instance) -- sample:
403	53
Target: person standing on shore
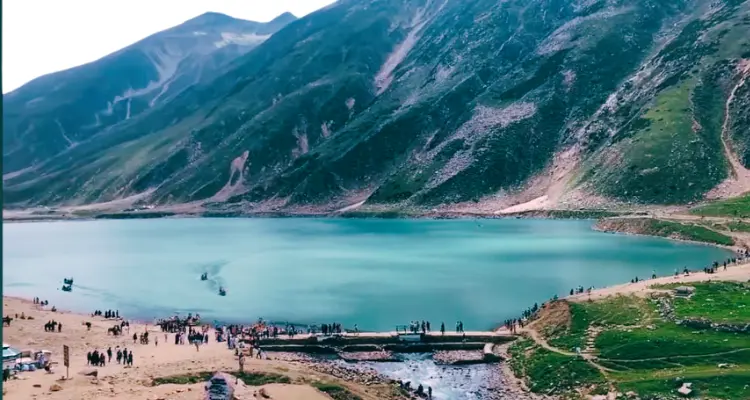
109	355
442	329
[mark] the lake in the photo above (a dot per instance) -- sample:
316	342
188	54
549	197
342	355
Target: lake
375	273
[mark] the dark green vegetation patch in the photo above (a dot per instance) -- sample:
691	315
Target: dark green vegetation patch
549	372
670	229
249	378
738	207
337	392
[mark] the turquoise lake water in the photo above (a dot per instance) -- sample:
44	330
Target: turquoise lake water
375	273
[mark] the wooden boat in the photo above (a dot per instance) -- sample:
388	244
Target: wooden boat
204	277
68	281
67	288
222	292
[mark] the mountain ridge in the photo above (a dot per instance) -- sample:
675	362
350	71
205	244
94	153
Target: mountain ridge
484	107
150	70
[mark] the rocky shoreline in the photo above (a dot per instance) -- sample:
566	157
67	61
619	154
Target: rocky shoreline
460	369
36	215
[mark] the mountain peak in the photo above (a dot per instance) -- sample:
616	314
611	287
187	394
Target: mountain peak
284	18
210	18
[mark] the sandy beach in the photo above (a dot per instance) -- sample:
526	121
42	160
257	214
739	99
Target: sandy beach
150	361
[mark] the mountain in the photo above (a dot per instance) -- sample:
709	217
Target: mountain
485	105
58	111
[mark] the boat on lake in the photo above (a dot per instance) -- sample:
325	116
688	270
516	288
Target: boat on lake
68	281
67	288
222	291
204	277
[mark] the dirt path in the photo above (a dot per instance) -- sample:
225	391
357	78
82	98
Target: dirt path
739	181
539	340
737	273
676	357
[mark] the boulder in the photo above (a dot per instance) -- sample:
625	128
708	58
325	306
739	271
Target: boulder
55	388
685	389
90	372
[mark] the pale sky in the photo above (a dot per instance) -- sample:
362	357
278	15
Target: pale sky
43	36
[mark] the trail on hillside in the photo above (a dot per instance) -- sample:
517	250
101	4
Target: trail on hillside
539	340
723	353
739	181
735	273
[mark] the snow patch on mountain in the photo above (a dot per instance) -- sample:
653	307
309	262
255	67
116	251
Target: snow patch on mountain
242	39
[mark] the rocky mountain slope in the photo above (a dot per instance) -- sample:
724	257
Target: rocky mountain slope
480	105
57	111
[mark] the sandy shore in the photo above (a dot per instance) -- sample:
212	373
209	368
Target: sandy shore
150	361
737	273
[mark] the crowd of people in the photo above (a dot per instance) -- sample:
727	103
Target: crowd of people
107	314
176	324
40	302
52	326
331	329
419	391
580	290
100	359
414	326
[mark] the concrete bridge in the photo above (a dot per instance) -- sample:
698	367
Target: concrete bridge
395	342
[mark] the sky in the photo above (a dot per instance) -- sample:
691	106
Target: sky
43	36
